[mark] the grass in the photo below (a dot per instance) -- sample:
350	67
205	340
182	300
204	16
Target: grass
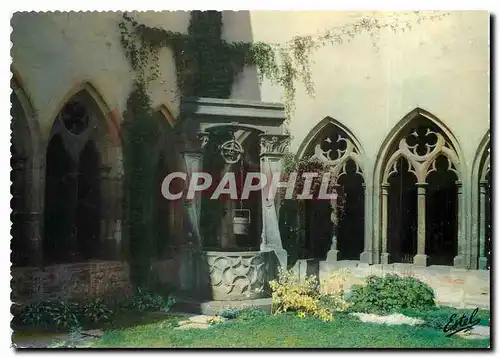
284	331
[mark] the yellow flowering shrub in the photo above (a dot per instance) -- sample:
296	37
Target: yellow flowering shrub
332	290
290	294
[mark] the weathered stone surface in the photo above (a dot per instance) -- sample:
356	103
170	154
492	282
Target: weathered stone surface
78	281
452	286
237	275
193	325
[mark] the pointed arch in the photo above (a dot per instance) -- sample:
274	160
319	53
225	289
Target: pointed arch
481	205
333	144
170	216
306	144
27	176
340	154
432	140
385	159
88	131
18	90
481	164
167	114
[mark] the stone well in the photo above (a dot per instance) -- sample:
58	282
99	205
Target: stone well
238	275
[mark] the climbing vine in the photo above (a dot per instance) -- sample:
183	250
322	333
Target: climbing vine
207	65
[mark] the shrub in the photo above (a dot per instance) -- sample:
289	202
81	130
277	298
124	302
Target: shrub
146	301
39	314
391	293
95	310
230	313
244	314
305	297
250	313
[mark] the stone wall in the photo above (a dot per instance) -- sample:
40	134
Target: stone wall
454	287
76	281
167	270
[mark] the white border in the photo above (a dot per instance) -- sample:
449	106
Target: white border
99	5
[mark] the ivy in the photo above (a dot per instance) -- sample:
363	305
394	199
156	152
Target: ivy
207	65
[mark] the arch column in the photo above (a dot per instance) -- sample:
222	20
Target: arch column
483	189
111	216
384	256
193	157
272	149
367	254
35	186
460	259
333	254
420	258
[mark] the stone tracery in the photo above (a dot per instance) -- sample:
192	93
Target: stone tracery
418	151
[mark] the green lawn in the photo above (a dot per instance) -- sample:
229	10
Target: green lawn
284	331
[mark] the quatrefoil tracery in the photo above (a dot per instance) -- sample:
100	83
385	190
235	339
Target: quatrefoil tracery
344	151
421	165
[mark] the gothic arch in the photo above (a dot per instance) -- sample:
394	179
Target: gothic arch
481	205
452	151
170	213
26	176
353	149
433	143
83	130
24	99
167	114
333	144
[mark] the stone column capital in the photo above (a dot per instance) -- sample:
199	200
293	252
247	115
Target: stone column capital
274	145
193	143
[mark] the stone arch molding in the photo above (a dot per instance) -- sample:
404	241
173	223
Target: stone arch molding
437	143
18	89
336	159
100	127
486	165
443	143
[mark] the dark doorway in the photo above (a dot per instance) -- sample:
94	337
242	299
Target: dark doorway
441	214
61	196
88	212
319	229
351	230
402	214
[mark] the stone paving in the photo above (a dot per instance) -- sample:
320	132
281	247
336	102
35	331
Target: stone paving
195	321
392	319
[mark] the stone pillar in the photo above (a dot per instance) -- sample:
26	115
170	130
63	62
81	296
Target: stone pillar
272	148
367	254
483	201
420	258
333	254
193	158
460	260
35	187
111	217
384	257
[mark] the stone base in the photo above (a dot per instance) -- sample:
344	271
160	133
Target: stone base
384	258
482	263
420	260
332	256
366	257
212	308
460	261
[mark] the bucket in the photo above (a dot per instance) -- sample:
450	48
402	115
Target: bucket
241	221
